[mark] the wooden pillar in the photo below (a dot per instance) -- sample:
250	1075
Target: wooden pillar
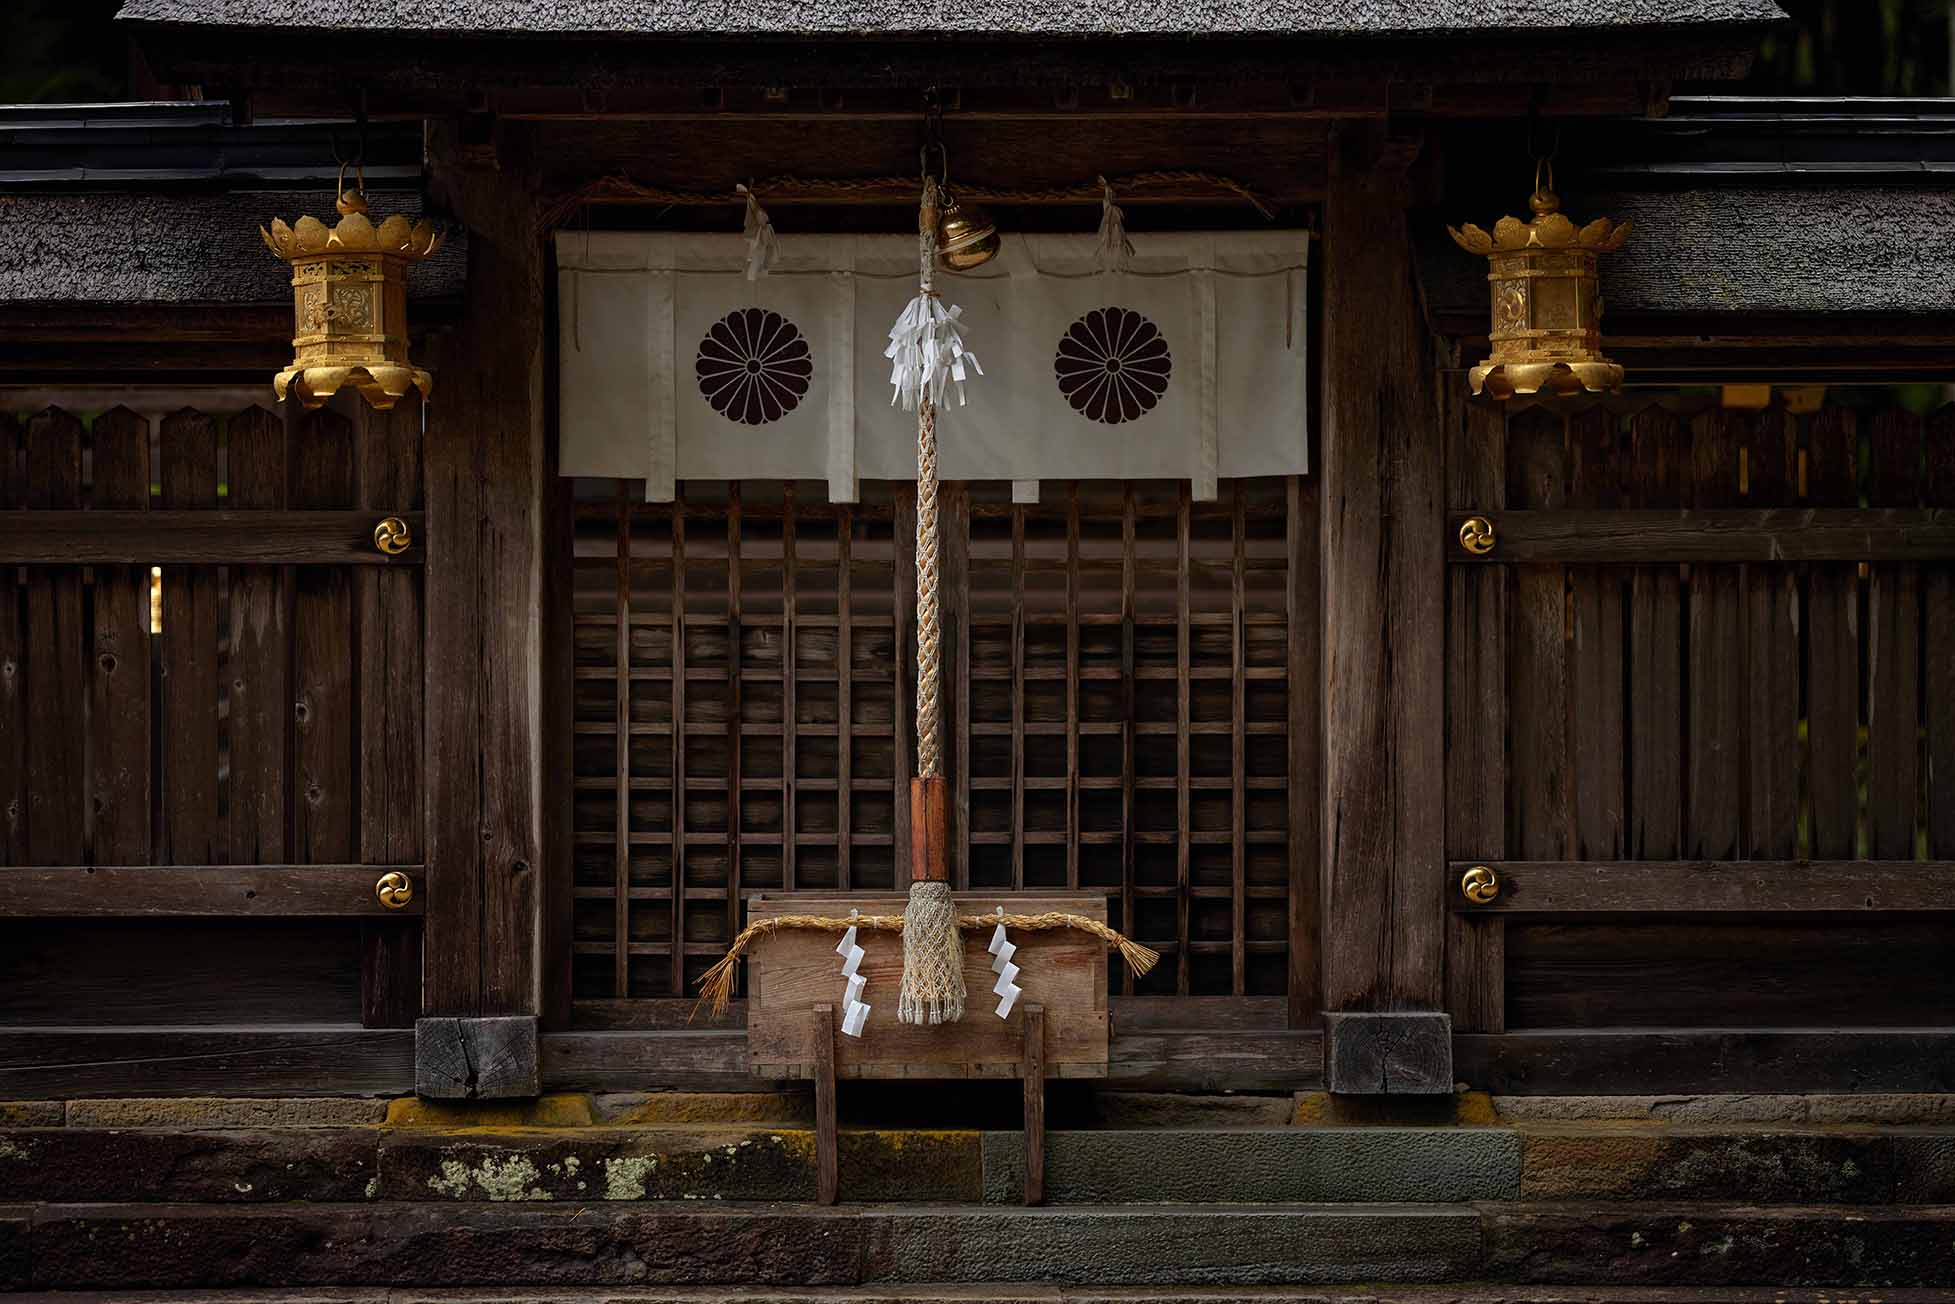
485	496
1384	636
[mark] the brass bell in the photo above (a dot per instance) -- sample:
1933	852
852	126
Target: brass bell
966	236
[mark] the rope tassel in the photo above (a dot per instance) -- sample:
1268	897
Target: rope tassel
1115	249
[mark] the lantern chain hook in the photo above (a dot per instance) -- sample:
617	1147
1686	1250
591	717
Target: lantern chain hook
359	160
933	136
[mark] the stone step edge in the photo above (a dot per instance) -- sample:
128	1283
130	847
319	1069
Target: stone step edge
985	1293
1181	1247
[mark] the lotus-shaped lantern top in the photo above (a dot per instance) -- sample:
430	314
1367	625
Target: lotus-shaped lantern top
1549	229
354	233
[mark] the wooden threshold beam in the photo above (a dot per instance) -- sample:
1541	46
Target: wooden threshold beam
1657	887
65	1063
203	891
198	538
1640	1061
1789	534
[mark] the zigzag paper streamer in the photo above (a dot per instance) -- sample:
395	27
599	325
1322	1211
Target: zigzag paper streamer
1002	951
855	1011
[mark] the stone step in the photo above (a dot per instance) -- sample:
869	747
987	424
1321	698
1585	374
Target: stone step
1590	1162
993	1293
1855	1252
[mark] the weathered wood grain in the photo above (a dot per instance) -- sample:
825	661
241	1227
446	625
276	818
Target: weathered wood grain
1833	641
1303	616
209	537
482	467
1537	677
1388	1054
1771	669
1658	450
1032	1071
1597	784
1938	677
1476	713
1894	651
793	970
389	735
827	1181
1653	1060
1714	750
217	891
325	715
54	657
257	667
1732	534
1756	886
484	1058
13	670
1383	573
191	832
58	1063
119	669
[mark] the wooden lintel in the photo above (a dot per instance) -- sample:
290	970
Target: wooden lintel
190	538
67	1063
1749	887
1786	534
210	891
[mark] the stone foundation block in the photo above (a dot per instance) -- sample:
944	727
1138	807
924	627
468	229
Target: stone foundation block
74	1164
1276	1165
1627	1162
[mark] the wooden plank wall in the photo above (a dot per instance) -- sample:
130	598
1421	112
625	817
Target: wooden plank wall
254	719
1706	712
1118	703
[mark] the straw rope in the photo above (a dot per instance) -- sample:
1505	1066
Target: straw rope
622	189
716	985
929	630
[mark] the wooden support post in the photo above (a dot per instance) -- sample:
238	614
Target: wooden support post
1033	1072
826	1176
485	467
1384	636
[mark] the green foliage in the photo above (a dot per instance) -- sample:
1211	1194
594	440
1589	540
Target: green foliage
53	51
1862	47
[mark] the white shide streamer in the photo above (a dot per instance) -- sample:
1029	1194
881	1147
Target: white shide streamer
1007	990
855	1011
926	353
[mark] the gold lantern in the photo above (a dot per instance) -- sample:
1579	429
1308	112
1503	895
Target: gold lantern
349	302
1547	309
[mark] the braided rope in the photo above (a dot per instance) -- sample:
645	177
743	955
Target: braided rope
929	628
716	984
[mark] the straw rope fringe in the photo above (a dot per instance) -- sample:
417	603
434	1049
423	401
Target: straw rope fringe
716	985
621	189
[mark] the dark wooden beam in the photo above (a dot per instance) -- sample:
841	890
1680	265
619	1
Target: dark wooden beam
1383	604
94	538
484	485
1786	534
1654	1060
1654	887
1235	1059
60	1063
230	891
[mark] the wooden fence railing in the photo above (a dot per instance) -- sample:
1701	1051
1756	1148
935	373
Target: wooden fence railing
1702	726
210	709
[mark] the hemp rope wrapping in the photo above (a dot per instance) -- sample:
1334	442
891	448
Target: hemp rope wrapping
716	986
933	954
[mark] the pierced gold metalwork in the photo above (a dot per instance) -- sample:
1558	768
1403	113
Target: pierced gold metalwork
1547	307
1476	535
349	302
392	536
394	889
1480	885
